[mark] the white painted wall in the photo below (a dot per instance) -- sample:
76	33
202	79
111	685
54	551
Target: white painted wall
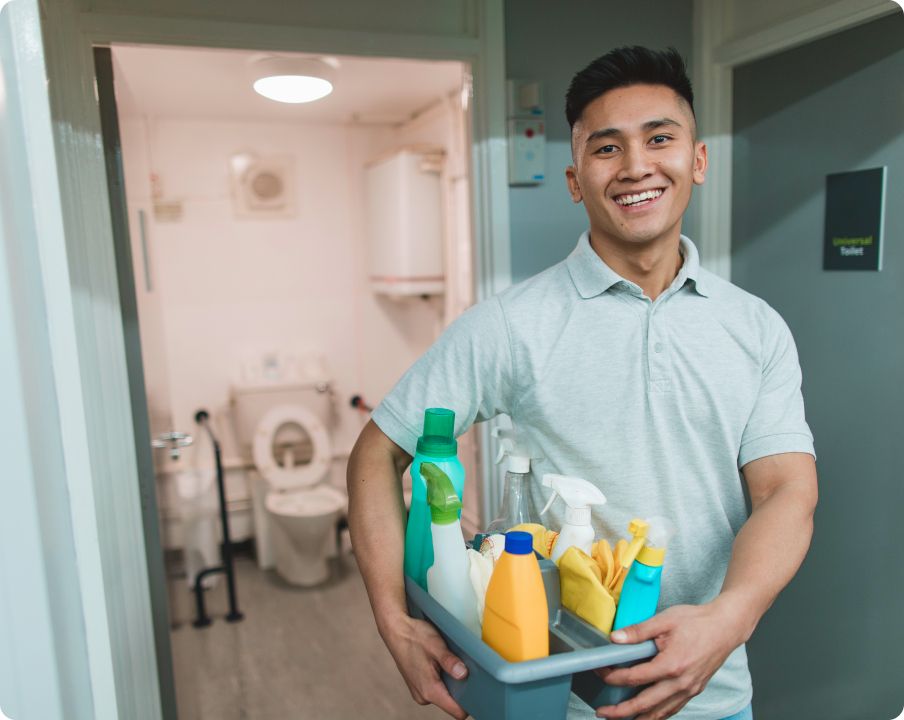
224	288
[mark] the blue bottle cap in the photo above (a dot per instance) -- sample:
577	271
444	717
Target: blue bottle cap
518	542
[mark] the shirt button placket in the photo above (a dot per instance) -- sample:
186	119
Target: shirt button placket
658	352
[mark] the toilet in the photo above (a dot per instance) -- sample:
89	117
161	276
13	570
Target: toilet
296	509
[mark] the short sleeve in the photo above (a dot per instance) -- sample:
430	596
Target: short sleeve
777	423
468	370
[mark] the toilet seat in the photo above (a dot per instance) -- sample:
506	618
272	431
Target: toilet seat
320	500
299	476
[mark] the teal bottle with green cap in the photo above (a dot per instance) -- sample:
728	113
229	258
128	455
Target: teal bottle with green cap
438	446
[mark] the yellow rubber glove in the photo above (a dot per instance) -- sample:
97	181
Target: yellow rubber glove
582	589
544	539
615	585
602	553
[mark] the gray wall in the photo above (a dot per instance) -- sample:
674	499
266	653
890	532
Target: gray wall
550	42
831	645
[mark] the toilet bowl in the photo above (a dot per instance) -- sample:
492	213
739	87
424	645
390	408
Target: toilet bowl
292	453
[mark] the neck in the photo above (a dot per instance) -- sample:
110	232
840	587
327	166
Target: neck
653	266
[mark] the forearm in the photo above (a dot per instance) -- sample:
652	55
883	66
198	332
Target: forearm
376	518
767	552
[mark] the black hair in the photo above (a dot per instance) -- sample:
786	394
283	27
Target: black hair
626	66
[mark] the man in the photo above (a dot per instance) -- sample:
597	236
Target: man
629	365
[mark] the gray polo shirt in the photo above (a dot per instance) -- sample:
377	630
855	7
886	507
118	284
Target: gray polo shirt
658	403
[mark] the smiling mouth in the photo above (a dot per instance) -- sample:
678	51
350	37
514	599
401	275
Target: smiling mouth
633	200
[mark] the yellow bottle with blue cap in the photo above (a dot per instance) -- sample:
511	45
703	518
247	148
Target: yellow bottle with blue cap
516	616
641	588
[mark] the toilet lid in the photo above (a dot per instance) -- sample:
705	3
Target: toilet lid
321	500
291	448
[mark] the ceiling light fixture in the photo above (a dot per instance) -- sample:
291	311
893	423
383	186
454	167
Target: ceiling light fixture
292	80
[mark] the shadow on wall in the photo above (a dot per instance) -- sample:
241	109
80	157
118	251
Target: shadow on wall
820	75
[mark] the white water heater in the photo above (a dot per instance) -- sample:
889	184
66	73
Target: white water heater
403	206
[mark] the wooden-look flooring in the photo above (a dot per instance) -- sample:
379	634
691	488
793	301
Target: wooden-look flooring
298	654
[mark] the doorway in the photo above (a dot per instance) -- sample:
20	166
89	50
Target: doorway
220	292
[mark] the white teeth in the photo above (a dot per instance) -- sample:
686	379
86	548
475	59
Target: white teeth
638	197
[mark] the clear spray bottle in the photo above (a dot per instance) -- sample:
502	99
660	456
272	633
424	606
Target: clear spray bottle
516	504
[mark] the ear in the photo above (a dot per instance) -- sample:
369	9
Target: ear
701	161
574	188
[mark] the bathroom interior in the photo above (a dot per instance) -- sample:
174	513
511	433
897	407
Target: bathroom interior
290	261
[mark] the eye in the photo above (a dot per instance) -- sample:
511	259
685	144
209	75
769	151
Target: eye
660	139
607	149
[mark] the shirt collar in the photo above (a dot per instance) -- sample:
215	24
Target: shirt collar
592	276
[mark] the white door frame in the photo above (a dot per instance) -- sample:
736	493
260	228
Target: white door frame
717	51
96	363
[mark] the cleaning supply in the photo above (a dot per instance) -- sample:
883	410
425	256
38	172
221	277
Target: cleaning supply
578	495
480	570
638	530
640	591
582	589
438	446
516	616
448	579
544	540
516	508
492	547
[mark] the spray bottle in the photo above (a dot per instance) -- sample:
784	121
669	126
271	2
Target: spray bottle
516	507
578	495
438	446
640	592
448	579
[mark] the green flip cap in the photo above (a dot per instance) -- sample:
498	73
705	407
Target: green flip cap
438	439
445	505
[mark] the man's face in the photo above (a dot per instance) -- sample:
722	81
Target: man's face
635	162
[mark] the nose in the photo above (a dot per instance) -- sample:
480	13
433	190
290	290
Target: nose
636	164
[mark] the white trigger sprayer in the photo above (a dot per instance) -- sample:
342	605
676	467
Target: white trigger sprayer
578	495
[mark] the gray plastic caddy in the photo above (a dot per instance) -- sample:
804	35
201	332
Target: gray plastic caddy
496	689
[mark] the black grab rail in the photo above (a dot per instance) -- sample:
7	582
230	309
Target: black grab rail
202	417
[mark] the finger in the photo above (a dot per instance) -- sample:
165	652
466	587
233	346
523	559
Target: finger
662	667
453	666
437	694
644	701
664	710
603	672
654	627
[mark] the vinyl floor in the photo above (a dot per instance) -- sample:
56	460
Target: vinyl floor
299	654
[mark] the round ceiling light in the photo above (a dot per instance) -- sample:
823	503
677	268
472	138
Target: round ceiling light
292	80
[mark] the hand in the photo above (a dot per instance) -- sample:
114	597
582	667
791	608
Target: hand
693	642
419	652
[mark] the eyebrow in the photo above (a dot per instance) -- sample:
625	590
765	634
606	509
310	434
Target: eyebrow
648	125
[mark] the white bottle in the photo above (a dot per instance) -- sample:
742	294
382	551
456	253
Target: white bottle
578	495
449	579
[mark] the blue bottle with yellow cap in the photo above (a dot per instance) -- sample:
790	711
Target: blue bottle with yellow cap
640	592
438	446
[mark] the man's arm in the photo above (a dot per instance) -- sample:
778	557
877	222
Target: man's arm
376	519
694	640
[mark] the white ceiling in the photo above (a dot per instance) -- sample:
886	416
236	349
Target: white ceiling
195	82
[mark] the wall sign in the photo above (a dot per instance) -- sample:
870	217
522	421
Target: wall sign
855	210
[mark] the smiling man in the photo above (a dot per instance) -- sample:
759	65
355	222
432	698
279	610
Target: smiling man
631	366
